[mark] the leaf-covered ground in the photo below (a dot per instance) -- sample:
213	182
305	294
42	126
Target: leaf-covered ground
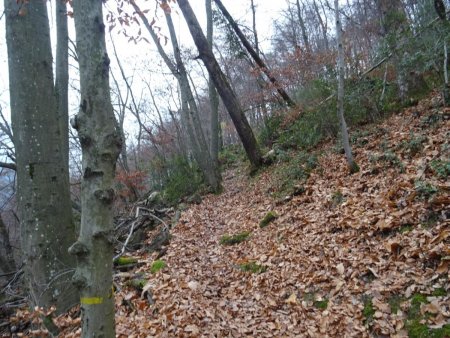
365	255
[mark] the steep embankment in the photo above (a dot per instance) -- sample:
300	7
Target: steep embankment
360	255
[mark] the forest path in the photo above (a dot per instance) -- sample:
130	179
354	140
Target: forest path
376	237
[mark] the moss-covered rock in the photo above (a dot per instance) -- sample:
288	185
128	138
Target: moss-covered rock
234	239
268	218
252	267
121	261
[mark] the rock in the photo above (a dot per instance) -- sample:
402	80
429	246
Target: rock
194	199
270	157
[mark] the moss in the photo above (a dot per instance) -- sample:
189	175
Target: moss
395	303
234	239
321	304
157	265
354	168
405	228
416	323
268	218
125	261
337	198
416	329
368	310
439	292
252	267
137	283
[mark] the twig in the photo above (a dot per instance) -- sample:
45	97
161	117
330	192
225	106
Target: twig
129	235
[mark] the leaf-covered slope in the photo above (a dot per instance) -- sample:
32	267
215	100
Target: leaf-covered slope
361	255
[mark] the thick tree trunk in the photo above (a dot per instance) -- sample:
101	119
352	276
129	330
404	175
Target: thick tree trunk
340	100
43	199
255	55
228	96
101	145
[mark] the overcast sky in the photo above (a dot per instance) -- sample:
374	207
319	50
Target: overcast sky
267	10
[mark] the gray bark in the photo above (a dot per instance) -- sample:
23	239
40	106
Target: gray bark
213	96
44	205
340	99
62	77
101	145
227	94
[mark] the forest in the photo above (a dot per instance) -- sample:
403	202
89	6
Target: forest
213	168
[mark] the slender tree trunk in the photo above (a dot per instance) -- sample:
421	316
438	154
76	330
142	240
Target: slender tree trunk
101	145
228	96
62	76
43	199
255	55
303	27
213	96
323	26
340	102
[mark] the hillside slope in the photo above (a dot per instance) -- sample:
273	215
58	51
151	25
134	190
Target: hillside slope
365	255
360	255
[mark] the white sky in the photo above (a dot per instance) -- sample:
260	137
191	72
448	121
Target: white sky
267	10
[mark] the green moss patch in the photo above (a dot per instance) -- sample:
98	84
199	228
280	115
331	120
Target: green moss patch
157	265
125	261
234	239
252	267
368	310
268	218
321	304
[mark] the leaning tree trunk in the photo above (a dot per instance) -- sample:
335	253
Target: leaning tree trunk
43	199
285	96
101	144
227	94
340	100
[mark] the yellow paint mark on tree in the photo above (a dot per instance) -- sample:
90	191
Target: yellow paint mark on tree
91	300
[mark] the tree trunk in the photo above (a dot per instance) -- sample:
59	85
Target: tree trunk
303	27
228	96
254	55
340	101
62	77
43	199
213	96
101	145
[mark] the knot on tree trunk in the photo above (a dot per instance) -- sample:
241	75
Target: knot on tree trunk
105	196
78	249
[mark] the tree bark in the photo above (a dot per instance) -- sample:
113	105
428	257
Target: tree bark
213	96
340	100
62	77
101	144
43	199
228	96
255	55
